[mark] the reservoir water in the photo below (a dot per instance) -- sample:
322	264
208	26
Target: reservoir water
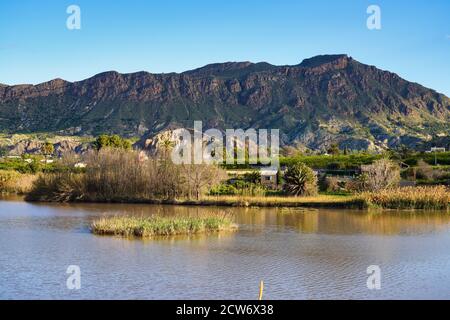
298	253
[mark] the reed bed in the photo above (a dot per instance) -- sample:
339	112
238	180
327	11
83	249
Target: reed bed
146	227
15	182
331	201
430	198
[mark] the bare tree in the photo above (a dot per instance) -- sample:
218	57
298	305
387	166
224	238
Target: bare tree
200	177
382	174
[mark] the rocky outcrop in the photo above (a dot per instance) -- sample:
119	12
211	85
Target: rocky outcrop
61	146
26	146
67	146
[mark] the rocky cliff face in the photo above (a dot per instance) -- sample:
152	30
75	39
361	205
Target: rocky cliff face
322	100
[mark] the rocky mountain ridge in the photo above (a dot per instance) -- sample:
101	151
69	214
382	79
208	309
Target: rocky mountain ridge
322	100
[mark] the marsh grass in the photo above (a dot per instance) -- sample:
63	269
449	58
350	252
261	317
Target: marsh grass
429	198
15	182
145	227
331	201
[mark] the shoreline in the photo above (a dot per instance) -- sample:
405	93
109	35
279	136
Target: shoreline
320	201
350	202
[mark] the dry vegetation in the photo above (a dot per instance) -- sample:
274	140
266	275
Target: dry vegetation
436	197
15	182
382	174
145	227
120	175
319	201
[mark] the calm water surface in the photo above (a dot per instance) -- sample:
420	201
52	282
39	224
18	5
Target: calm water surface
299	253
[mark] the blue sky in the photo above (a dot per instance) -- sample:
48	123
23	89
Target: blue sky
174	35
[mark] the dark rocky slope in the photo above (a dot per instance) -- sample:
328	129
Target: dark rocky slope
324	99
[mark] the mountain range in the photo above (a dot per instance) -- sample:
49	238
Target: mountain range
323	100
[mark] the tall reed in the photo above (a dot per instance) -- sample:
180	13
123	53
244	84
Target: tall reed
15	182
436	197
161	226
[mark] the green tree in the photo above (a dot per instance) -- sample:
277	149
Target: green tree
112	141
300	180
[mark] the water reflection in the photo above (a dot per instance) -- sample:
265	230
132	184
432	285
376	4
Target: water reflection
320	221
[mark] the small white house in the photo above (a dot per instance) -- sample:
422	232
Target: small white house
269	177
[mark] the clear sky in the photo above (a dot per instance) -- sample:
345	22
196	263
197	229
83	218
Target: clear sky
178	35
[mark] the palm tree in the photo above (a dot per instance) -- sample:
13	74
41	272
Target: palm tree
300	180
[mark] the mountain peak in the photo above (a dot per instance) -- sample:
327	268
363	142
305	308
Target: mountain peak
107	74
324	59
219	68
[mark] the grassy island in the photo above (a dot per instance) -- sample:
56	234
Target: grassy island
145	227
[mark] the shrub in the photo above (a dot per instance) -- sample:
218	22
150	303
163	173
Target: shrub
329	184
223	190
253	190
300	180
253	177
15	182
424	171
382	174
113	141
58	187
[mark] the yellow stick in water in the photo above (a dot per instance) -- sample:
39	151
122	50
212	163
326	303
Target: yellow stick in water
261	289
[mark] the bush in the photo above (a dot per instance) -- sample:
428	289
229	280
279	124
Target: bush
223	190
329	184
382	174
253	177
300	180
424	171
59	187
15	182
114	141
